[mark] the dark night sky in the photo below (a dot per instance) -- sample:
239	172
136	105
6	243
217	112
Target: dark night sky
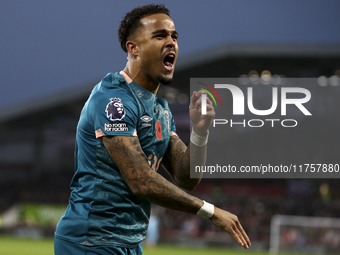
48	47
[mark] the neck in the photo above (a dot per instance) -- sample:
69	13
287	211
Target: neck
133	71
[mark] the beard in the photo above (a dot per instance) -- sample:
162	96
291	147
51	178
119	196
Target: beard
165	81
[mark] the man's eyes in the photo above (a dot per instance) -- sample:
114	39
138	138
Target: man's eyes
160	35
165	35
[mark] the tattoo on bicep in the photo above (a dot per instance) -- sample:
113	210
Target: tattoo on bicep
127	154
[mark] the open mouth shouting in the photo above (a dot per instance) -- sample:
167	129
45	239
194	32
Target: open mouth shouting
168	61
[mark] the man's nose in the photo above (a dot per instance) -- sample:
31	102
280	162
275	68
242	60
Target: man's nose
171	42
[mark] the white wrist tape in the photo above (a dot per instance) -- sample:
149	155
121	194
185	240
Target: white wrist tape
207	210
198	140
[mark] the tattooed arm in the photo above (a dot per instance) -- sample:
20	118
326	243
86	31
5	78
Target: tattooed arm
178	157
176	162
143	180
147	183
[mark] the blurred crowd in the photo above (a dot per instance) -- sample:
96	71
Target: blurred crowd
255	203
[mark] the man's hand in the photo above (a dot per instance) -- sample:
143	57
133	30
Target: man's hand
230	223
201	123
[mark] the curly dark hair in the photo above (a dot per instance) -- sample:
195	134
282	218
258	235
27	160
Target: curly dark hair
130	22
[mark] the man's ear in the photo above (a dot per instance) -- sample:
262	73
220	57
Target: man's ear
132	48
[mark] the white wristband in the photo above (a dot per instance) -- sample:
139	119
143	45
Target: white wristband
207	210
198	140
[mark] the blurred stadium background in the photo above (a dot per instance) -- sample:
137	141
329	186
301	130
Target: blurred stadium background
53	53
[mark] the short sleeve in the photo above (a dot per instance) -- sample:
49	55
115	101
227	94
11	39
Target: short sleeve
114	114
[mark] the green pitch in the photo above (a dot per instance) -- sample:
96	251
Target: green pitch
13	246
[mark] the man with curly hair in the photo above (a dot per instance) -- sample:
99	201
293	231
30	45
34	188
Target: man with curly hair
124	134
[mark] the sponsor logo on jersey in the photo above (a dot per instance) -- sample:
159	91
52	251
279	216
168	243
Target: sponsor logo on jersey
115	109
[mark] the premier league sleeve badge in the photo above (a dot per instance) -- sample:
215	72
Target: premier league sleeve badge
115	109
